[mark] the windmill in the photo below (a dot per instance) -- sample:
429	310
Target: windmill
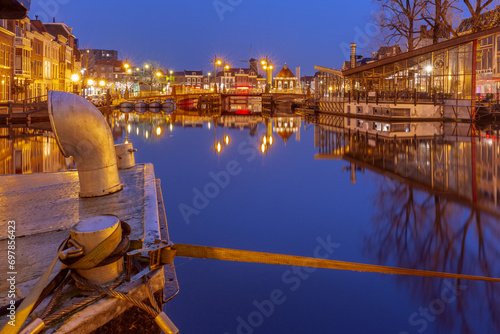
252	63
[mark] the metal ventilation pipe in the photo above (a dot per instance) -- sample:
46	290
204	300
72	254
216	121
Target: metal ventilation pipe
353	55
82	132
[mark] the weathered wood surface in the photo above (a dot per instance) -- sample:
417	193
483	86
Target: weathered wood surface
45	205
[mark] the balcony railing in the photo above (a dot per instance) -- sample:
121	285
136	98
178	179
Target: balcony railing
19	71
21	41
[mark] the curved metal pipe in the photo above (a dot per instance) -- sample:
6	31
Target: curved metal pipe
82	132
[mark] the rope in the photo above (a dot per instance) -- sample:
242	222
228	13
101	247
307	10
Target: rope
55	297
77	305
116	294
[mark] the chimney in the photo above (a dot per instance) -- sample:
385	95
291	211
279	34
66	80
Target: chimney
54	19
353	55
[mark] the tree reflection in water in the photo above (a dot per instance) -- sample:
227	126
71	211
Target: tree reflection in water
420	230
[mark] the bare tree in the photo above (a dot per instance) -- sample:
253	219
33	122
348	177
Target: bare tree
398	19
443	17
150	76
476	8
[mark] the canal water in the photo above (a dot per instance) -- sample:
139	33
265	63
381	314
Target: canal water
318	187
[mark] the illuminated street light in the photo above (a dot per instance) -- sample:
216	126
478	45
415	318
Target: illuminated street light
268	67
217	62
90	82
129	71
428	68
146	66
75	78
126	66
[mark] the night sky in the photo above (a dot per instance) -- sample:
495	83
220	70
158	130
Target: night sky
186	34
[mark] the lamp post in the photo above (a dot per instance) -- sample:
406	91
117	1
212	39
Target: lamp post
217	62
267	65
158	75
102	83
226	68
75	78
127	71
90	84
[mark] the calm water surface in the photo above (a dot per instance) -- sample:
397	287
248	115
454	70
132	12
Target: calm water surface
430	204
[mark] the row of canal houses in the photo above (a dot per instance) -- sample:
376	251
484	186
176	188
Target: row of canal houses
456	79
36	57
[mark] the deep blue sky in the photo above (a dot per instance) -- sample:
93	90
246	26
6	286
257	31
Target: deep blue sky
185	34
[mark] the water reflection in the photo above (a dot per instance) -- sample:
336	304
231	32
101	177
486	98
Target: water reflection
435	206
30	151
152	127
436	209
463	169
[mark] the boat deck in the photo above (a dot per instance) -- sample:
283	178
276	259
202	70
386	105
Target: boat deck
44	206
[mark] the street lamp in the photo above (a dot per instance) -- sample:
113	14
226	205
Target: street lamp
75	78
90	84
217	62
226	68
268	67
158	75
102	83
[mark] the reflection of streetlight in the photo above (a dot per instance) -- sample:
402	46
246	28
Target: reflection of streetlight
226	140
158	131
266	142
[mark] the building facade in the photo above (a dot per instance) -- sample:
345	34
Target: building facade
454	79
6	61
285	80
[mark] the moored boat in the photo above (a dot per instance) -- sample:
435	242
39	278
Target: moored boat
91	213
